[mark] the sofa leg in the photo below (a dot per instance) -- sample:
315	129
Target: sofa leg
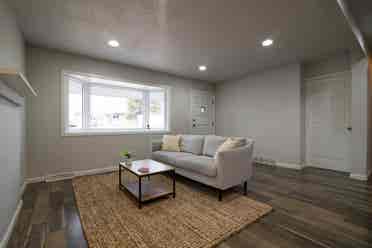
245	187
220	195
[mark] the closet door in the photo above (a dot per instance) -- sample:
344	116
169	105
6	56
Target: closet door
328	130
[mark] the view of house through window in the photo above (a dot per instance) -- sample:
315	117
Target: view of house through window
96	104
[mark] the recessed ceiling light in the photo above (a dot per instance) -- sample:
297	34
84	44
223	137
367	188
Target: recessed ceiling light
202	67
113	43
267	42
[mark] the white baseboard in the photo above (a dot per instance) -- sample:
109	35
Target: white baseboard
34	180
290	166
281	164
96	171
359	177
70	175
22	190
9	230
59	177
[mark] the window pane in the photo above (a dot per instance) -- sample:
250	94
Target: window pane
157	110
75	104
115	108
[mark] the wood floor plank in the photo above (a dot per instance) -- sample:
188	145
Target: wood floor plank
278	236
73	230
56	240
22	230
41	207
37	236
68	192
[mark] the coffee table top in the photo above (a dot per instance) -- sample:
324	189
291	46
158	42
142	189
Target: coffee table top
154	167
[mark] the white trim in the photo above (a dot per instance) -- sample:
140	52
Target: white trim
359	177
64	103
264	162
114	132
22	190
281	164
69	175
85	94
9	230
34	180
344	5
96	171
59	177
10	95
119	79
290	165
168	101
328	76
88	131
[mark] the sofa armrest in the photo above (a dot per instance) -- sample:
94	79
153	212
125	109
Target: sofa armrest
234	166
156	146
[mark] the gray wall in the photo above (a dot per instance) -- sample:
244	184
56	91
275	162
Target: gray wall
50	153
11	40
11	122
336	63
267	107
11	159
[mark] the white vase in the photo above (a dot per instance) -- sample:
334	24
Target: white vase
128	161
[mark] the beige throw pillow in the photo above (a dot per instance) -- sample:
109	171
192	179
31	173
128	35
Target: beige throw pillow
231	143
171	143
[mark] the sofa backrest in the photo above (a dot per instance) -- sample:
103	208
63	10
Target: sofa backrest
192	144
199	144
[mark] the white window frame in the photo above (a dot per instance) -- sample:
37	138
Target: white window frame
66	131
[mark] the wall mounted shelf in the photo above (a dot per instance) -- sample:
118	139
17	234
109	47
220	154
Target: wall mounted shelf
17	81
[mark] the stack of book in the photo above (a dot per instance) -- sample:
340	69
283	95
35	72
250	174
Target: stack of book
143	169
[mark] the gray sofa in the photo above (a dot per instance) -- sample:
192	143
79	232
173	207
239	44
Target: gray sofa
198	161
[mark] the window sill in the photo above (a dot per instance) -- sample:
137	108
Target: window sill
113	133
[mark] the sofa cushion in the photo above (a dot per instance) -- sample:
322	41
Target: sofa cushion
168	157
192	144
211	144
200	164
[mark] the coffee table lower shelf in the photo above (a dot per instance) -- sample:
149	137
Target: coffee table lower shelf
149	190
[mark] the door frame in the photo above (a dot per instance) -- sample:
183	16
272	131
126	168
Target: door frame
330	76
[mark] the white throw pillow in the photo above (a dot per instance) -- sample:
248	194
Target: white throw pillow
231	143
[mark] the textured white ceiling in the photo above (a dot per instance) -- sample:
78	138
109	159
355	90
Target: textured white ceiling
176	36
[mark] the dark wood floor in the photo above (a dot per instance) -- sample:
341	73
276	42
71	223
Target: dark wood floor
312	208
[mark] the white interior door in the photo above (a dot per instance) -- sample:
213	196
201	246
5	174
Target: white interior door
202	112
328	130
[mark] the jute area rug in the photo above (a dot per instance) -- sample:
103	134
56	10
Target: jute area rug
195	218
